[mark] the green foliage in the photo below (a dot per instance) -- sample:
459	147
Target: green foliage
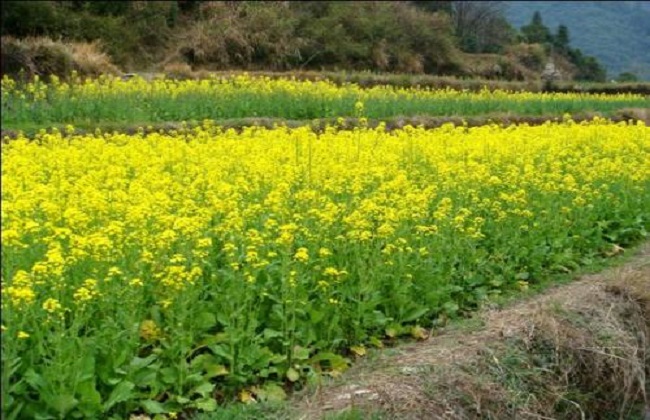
627	77
272	35
374	37
536	32
434	6
132	32
30	18
616	33
288	35
561	39
588	68
129	352
147	106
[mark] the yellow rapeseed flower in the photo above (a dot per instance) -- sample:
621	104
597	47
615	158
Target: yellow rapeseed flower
302	255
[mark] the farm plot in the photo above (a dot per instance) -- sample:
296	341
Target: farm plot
172	271
92	102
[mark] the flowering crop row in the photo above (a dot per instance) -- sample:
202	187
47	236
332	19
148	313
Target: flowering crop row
137	101
155	272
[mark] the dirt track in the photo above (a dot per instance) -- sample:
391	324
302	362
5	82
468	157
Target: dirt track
452	375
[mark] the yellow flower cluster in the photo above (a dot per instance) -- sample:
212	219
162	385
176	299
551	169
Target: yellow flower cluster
78	90
160	213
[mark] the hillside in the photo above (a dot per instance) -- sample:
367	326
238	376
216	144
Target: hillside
617	33
461	39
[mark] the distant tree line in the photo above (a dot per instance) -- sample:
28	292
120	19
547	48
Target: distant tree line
392	36
588	68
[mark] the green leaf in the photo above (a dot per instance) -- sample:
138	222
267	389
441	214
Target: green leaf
497	282
203	389
35	380
523	276
272	393
14	365
90	399
300	353
155	314
376	342
450	307
145	377
87	368
43	416
17	409
415	314
62	403
152	407
269	333
205	320
182	400
223	351
292	374
169	375
121	392
316	316
206	404
213	370
333	361
194	378
141	362
359	350
201	360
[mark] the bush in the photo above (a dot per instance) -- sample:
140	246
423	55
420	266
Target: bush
177	70
372	35
242	35
627	77
88	59
50	57
531	56
15	58
43	56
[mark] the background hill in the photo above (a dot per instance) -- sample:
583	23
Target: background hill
615	32
465	39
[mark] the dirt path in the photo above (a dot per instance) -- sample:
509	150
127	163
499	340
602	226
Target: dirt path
593	330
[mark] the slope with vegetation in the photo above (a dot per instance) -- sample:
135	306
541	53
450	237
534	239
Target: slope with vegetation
205	241
460	38
616	32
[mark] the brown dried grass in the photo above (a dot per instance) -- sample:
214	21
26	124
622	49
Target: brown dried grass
44	56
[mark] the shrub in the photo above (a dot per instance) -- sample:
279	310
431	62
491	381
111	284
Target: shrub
44	56
177	70
88	59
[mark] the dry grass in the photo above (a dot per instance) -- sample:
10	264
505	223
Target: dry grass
179	70
642	114
43	56
89	59
575	352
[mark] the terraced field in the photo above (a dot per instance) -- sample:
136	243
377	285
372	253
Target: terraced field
171	272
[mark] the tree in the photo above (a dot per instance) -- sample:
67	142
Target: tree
536	32
627	77
589	69
481	26
30	18
561	39
435	6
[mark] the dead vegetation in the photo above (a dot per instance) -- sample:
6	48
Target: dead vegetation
43	56
579	351
642	114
